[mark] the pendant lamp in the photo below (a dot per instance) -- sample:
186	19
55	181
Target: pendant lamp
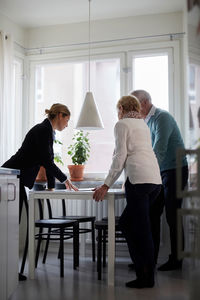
89	118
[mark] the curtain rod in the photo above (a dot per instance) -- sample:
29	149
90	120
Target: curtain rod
171	35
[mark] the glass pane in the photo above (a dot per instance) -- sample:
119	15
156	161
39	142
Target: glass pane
194	106
67	83
150	73
193	172
106	88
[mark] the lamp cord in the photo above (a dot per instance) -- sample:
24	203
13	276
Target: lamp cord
89	47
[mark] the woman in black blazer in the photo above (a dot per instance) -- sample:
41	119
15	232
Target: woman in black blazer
36	151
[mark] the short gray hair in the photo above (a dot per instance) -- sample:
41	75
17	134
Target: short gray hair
141	95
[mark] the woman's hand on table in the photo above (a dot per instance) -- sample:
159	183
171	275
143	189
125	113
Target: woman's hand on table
100	192
70	186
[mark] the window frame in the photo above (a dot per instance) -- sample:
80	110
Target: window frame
124	53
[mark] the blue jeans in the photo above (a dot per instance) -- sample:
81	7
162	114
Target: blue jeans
136	225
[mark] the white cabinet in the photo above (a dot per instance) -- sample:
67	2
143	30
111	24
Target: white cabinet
9	232
3	238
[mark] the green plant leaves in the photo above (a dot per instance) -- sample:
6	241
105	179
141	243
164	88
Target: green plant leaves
79	150
57	157
58	142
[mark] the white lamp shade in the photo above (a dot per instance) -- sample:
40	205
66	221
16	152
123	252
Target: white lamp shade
89	118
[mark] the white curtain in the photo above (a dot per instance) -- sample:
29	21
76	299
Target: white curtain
6	98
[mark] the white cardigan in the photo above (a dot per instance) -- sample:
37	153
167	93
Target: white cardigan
133	153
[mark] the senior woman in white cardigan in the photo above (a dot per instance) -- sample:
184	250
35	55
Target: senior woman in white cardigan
134	154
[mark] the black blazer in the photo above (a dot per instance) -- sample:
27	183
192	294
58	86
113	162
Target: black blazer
36	151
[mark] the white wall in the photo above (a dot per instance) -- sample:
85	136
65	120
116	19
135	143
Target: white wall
193	41
105	30
10	28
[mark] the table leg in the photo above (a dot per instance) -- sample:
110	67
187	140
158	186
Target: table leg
83	236
111	240
31	249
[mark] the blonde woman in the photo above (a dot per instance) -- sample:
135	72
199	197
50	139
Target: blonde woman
134	154
36	151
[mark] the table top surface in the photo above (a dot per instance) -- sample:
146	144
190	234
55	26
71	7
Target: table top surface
64	193
8	171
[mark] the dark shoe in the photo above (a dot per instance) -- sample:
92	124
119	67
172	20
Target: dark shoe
140	283
131	266
21	277
170	266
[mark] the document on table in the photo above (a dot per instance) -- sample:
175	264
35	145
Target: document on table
86	189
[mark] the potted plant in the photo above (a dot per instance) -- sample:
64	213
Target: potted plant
79	152
41	176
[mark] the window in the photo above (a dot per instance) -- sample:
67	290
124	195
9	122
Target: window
67	83
194	105
150	72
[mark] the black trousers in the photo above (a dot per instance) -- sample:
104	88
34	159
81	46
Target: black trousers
23	201
136	226
167	198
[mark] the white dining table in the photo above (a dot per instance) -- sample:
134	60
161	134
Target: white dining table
111	196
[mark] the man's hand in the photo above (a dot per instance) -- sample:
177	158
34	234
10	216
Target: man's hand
70	186
100	192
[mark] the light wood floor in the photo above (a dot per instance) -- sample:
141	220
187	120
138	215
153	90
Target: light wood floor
83	283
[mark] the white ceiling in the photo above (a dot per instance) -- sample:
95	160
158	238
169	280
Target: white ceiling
34	13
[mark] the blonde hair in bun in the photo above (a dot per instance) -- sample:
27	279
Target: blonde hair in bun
56	109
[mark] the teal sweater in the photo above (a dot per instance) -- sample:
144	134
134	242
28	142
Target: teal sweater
166	139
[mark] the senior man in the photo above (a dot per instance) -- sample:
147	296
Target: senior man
166	139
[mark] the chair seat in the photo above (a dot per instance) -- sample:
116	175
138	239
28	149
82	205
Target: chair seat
80	219
116	219
103	224
54	223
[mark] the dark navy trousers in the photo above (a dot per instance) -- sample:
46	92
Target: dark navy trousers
135	224
167	198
